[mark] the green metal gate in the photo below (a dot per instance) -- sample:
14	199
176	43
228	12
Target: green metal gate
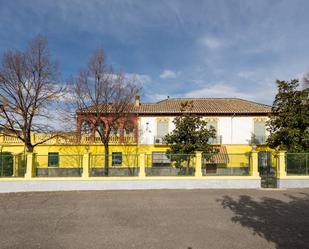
267	163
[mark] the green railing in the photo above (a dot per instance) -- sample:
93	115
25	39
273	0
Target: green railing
12	165
223	164
116	164
297	163
162	164
55	165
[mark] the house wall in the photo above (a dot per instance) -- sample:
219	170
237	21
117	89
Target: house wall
233	129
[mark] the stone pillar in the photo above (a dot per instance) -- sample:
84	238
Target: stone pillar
254	169
86	164
142	166
281	169
198	164
29	169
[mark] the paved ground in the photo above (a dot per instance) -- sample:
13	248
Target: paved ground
156	219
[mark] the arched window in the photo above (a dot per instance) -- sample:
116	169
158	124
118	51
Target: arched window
100	128
85	127
115	129
129	128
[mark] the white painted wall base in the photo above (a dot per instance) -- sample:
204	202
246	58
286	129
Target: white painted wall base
69	185
293	183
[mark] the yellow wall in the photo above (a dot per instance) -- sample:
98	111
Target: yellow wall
70	155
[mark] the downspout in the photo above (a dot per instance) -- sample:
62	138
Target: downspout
232	127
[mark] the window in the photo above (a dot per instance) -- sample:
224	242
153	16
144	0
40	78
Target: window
162	128
85	127
212	124
259	131
115	129
53	159
100	128
116	158
129	128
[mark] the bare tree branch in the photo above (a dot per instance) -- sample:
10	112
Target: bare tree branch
28	85
99	93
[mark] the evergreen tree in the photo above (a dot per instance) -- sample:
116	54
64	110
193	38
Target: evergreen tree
190	134
289	121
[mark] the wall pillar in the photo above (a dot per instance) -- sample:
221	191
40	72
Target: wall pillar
198	164
29	168
86	164
142	173
281	170
254	169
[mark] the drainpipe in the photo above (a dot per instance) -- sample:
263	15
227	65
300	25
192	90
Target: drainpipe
232	127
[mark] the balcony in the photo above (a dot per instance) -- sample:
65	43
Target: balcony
68	139
159	140
258	139
215	140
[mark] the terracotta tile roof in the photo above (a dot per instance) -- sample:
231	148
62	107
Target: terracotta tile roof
200	106
219	158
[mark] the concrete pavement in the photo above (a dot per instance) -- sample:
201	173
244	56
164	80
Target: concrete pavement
156	219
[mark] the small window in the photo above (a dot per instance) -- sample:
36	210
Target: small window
116	158
85	127
160	159
212	124
162	128
53	159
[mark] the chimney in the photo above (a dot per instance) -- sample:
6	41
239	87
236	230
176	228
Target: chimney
137	100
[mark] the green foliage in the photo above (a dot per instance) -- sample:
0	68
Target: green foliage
289	121
190	135
6	164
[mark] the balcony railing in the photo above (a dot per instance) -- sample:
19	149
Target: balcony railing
159	140
68	139
258	139
215	140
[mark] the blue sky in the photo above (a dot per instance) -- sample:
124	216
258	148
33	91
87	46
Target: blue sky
177	48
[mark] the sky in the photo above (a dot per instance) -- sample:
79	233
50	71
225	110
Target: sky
231	48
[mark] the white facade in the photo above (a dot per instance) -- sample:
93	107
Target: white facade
232	129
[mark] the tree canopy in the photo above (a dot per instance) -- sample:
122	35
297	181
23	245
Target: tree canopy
289	121
190	133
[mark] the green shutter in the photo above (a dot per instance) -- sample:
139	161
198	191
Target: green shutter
116	158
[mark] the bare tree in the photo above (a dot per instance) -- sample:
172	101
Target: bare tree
100	92
27	87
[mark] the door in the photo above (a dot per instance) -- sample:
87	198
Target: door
267	168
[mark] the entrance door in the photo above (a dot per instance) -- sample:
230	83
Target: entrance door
267	169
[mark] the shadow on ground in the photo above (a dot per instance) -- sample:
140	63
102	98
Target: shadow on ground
285	223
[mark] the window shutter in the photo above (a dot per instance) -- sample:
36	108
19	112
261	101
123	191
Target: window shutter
213	124
259	129
162	129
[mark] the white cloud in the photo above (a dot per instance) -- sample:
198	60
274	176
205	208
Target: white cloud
246	74
169	74
212	42
263	94
141	78
219	90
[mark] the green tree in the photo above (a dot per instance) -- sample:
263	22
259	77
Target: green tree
190	134
289	121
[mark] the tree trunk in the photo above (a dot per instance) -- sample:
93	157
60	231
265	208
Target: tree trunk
106	159
29	147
